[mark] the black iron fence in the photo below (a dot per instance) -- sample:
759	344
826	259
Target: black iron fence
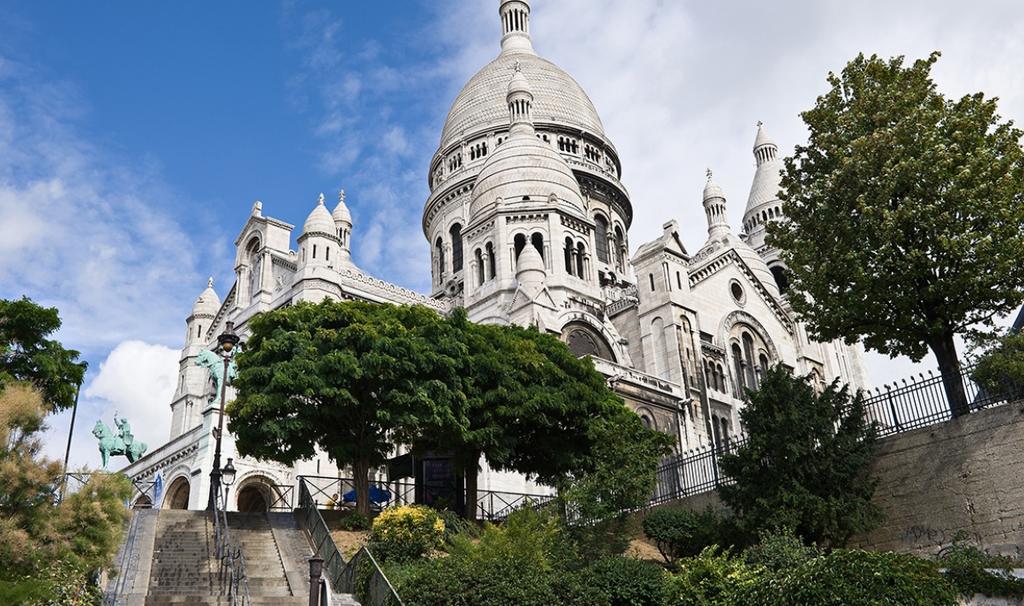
897	408
491	505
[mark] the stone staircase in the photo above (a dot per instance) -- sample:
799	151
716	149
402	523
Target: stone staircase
184	571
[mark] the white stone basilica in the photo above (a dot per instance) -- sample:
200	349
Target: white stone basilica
528	223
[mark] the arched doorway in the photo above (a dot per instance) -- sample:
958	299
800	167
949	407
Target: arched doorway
177	494
143	502
255	495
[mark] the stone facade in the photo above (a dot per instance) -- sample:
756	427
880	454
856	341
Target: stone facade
528	223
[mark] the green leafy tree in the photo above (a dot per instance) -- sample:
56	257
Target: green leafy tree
1000	368
905	214
805	464
354	378
50	552
26	354
534	407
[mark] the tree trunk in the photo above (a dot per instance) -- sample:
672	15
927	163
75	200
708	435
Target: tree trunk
361	479
944	349
471	469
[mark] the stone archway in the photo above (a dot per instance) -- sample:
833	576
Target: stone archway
178	494
255	495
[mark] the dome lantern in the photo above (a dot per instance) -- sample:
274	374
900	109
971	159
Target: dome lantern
515	26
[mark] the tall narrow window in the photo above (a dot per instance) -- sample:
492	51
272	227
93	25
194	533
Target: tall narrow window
651	277
740	378
520	244
620	256
748	358
491	262
537	239
327	254
601	238
581	252
479	256
314	251
569	269
456	233
439	252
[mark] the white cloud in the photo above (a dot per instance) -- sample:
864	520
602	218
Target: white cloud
136	381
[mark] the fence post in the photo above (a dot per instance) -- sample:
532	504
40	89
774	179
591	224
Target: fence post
892	408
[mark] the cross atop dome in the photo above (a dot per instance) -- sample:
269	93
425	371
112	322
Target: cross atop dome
515	26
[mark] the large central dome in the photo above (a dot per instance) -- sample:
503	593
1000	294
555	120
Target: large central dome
558	99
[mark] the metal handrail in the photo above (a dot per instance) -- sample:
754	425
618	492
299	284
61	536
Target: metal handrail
112	597
343	575
231	561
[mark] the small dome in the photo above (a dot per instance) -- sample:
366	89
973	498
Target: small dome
208	303
319	220
756	264
341	213
530	267
519	83
712	190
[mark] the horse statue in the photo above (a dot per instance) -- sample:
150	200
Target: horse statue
122	443
215	364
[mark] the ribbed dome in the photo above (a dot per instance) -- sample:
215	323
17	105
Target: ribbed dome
768	176
557	98
208	302
530	267
756	264
523	166
712	190
319	220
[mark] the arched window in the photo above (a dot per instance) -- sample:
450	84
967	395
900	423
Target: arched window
620	251
581	252
740	376
439	252
569	268
491	263
520	244
762	366
456	233
479	256
538	242
748	358
601	238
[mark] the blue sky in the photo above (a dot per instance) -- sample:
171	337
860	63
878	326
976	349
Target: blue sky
134	137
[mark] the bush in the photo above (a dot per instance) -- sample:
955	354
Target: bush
463	581
852	578
1000	370
406	533
779	551
679	532
629	582
967	568
455	525
711	578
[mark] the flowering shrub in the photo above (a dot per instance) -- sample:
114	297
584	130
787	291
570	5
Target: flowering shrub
405	533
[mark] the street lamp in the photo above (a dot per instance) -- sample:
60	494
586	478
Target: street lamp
227	478
227	341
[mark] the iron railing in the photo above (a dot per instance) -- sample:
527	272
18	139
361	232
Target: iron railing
491	505
363	578
361	575
128	556
231	575
894	409
73	481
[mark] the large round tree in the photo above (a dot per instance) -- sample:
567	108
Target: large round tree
352	378
905	214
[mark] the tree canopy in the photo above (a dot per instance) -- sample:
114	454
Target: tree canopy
533	407
905	214
27	354
805	464
50	551
357	378
353	378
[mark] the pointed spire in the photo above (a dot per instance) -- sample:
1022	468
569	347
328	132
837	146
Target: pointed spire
765	149
341	213
515	26
321	200
209	283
